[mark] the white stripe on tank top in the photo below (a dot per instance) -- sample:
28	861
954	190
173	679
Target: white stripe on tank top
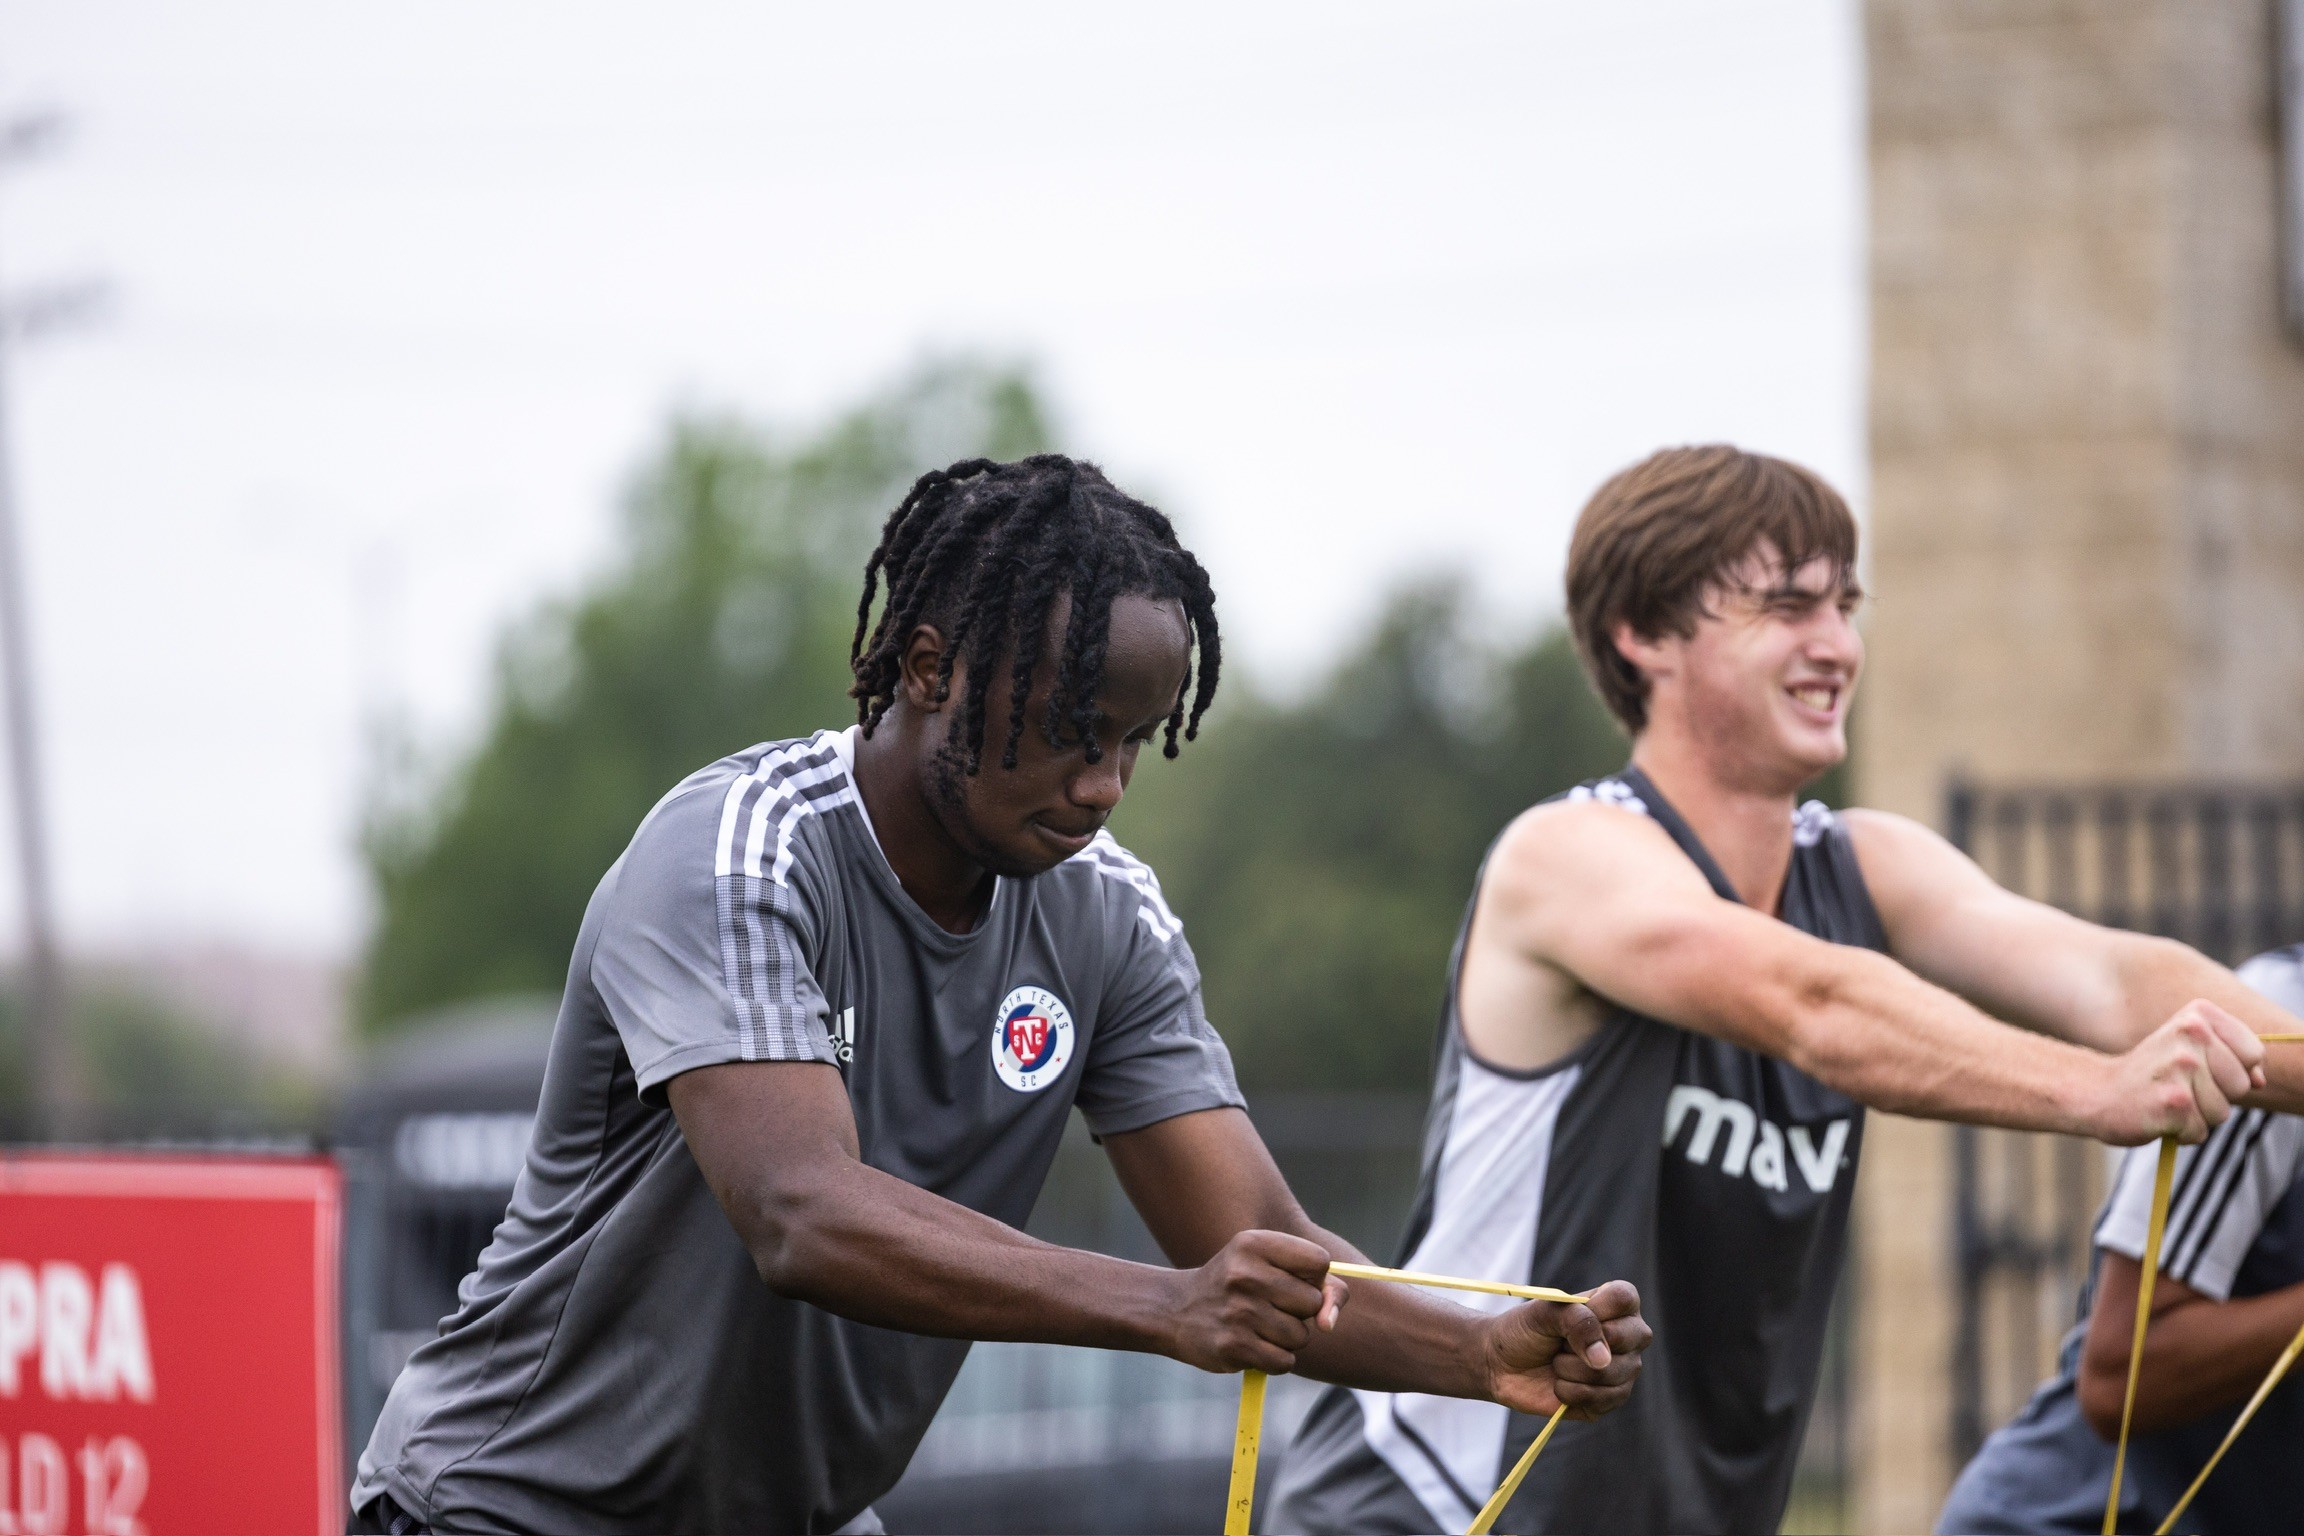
1487	1206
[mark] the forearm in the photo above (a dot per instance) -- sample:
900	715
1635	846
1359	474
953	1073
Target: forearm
874	1248
1204	1182
1199	1179
1867	1026
2211	1354
2198	1357
1395	1338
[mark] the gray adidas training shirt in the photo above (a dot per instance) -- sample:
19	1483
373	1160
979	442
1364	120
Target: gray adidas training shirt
615	1363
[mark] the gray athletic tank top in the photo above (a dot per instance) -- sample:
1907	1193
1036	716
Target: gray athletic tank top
1714	1178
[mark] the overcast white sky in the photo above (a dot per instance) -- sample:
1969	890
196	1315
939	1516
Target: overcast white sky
403	292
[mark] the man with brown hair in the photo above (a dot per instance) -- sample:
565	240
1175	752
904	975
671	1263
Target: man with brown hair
1675	991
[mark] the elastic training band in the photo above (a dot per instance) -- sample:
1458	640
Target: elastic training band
1452	1283
1485	1521
1244	1445
2162	1181
1250	1430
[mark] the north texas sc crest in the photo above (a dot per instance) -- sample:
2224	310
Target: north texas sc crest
1031	1039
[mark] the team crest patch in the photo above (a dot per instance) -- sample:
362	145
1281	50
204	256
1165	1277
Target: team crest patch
1031	1039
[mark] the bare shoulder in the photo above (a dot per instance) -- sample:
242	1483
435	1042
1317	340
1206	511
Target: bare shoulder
1894	848
1576	845
1915	876
1882	827
1577	837
1883	839
1521	1007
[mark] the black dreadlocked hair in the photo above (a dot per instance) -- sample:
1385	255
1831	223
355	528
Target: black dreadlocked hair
983	550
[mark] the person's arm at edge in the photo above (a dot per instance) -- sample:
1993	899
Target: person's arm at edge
2200	1354
777	1144
1198	1178
2028	963
1603	895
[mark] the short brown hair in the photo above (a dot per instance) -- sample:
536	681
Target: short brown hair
1657	538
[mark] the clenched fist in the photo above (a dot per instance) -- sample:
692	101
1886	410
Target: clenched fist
1255	1304
1543	1354
2181	1079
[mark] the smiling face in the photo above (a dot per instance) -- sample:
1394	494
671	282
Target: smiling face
1025	820
1762	684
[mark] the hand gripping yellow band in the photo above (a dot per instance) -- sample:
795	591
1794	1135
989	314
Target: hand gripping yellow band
1250	1430
2162	1181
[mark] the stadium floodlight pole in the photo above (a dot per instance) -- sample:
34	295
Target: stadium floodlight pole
54	1082
54	1077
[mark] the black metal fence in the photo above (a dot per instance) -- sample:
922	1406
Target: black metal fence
2217	865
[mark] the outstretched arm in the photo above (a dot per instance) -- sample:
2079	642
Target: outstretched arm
2047	970
1604	897
1200	1178
777	1144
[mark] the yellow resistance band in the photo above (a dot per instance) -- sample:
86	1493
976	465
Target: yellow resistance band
1485	1521
1250	1430
2279	1369
1244	1444
1451	1282
2162	1181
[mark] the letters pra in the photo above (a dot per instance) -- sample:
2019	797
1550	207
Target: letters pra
71	1339
79	1341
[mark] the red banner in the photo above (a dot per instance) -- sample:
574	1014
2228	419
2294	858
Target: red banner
168	1346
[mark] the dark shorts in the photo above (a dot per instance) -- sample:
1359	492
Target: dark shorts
381	1517
2043	1473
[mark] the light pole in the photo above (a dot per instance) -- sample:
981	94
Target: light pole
58	1105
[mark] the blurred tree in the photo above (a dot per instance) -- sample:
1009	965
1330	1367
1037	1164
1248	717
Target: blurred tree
725	620
152	1069
1321	853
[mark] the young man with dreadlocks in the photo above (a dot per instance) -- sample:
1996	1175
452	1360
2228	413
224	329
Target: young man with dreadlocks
1677	989
826	1020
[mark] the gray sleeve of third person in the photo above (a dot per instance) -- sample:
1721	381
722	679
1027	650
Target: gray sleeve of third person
697	967
1154	1054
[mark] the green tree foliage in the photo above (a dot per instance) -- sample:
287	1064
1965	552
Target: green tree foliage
1321	853
147	1068
724	620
